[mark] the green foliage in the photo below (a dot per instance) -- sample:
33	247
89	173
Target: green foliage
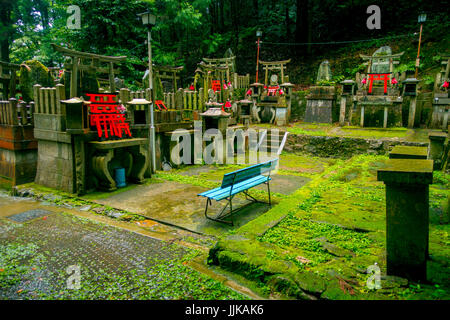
188	30
33	72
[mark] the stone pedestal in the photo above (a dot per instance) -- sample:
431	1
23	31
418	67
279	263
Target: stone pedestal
18	154
320	105
407	152
407	217
437	140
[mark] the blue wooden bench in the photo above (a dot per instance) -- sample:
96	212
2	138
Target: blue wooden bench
236	182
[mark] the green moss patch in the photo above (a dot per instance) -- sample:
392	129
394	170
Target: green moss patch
334	228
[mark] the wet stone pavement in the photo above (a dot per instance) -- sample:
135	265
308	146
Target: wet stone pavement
114	263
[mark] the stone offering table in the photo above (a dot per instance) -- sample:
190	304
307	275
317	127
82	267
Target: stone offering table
408	152
133	152
407	214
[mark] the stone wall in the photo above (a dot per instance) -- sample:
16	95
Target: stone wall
298	105
17	166
341	147
18	152
55	165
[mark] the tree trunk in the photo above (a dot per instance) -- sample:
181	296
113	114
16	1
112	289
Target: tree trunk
222	20
288	22
6	25
302	25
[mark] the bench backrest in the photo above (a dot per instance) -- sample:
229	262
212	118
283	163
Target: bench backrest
248	173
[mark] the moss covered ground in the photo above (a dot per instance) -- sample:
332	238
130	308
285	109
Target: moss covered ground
319	242
331	130
114	264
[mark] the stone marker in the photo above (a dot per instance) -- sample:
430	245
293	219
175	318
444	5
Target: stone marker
408	152
324	72
407	204
437	140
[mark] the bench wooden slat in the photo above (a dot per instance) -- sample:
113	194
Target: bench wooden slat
236	182
222	193
247	173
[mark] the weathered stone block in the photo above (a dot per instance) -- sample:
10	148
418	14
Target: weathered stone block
409	152
407	216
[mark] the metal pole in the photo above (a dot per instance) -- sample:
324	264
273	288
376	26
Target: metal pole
150	81
418	53
257	62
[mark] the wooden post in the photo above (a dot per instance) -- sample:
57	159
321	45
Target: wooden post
46	100
412	112
13	111
74	77
195	100
385	117
52	93
60	95
36	90
266	78
362	117
200	99
112	85
342	111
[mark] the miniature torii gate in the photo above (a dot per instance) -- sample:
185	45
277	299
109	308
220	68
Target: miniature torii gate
8	76
76	65
220	63
168	73
274	66
213	71
383	75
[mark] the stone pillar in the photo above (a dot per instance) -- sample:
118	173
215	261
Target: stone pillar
407	217
437	140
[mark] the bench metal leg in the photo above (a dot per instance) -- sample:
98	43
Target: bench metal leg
220	217
223	214
268	190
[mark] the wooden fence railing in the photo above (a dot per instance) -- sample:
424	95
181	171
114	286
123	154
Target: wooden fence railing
48	100
241	82
193	100
13	112
126	95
